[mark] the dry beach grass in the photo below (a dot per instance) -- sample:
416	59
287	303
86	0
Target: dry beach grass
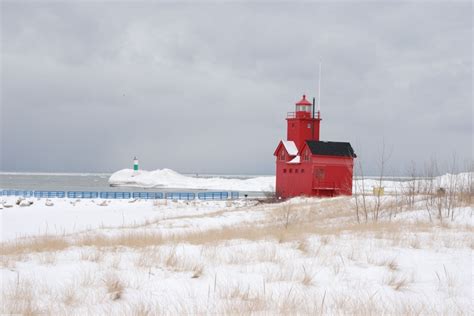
306	256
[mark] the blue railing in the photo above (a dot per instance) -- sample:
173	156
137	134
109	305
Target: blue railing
180	196
49	194
24	193
115	195
147	195
122	195
82	195
213	195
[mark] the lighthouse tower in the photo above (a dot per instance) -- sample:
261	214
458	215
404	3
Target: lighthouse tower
135	164
305	165
303	124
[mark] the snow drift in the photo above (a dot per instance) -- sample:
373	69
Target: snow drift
167	178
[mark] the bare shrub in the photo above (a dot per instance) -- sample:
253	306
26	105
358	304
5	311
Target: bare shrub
466	187
21	289
24	308
284	214
114	286
115	261
69	296
92	255
142	309
303	246
147	258
240	301
170	259
443	197
398	282
384	157
412	188
307	278
446	280
197	271
415	242
10	261
392	264
235	292
325	240
268	254
336	268
289	302
453	188
360	192
284	273
269	197
87	279
18	298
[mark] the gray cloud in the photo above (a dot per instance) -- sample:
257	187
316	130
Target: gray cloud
206	87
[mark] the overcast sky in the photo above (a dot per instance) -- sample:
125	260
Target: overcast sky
206	87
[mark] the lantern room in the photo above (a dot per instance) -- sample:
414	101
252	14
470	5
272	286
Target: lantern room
303	108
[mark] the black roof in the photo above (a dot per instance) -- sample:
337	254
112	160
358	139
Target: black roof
331	148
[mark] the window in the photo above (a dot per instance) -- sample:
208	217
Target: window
309	125
296	170
284	170
306	155
319	173
302	170
282	155
291	170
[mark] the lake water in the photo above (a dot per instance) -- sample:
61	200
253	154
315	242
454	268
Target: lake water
99	182
86	182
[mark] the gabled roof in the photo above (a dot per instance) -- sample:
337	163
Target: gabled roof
290	147
331	148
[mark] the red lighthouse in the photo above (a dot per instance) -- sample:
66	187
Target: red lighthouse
307	166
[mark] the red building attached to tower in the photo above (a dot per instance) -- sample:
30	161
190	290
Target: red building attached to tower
307	166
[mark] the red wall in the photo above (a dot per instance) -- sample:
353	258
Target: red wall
299	132
295	181
321	176
337	174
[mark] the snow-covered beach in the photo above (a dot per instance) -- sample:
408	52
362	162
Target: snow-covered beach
305	255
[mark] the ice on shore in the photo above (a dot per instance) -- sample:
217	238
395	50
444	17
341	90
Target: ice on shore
167	178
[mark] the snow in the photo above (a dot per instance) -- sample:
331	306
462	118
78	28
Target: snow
167	178
290	147
447	181
67	216
304	256
295	160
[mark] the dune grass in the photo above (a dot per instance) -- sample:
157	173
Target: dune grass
298	258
